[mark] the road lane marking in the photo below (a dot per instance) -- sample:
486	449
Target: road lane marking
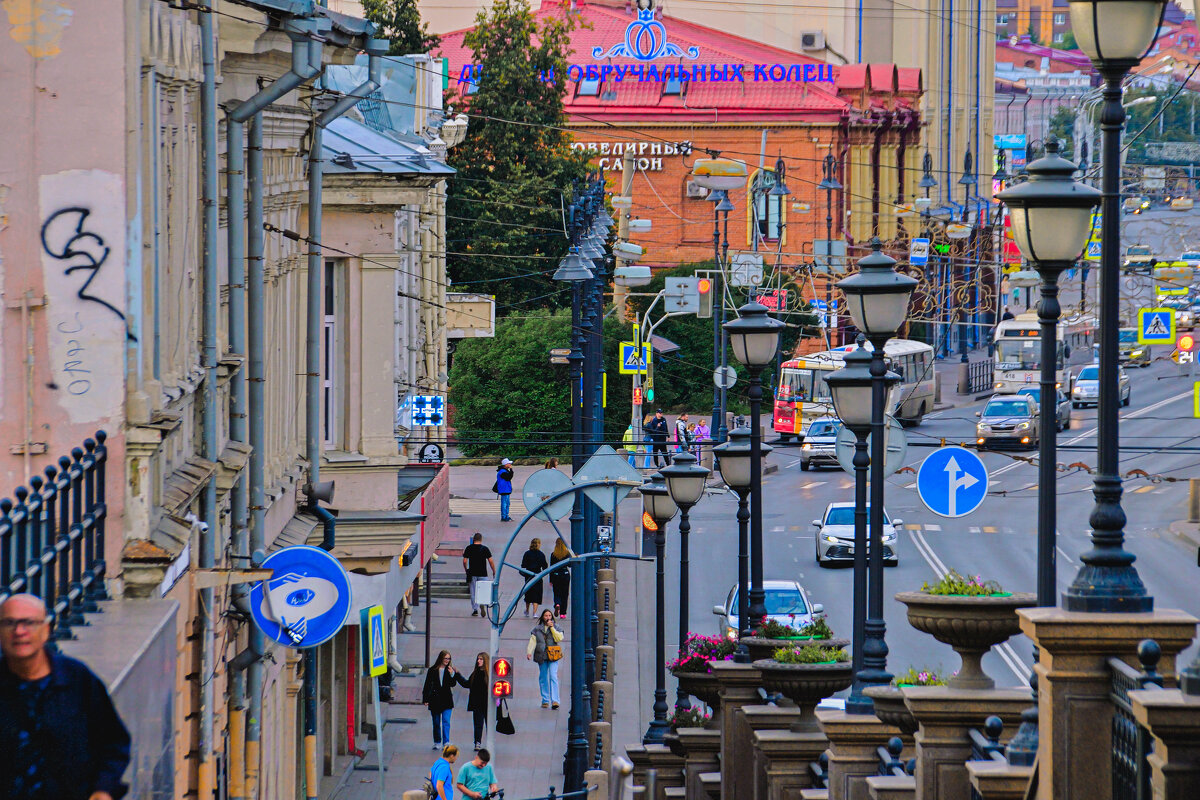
813	484
1143	489
990	529
1063	554
974	529
929	526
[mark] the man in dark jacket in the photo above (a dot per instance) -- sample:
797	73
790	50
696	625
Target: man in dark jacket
60	737
657	430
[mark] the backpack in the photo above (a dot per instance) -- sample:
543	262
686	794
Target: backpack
496	487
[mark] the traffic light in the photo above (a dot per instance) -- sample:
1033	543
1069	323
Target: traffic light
704	288
648	522
1186	343
502	677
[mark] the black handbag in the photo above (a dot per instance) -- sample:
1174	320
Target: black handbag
504	723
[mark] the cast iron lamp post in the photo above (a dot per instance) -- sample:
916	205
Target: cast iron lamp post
685	482
1051	217
829	183
754	337
658	508
877	300
733	460
851	388
1116	35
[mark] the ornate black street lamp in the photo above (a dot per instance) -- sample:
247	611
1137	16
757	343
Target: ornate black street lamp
754	337
1116	35
658	508
877	300
851	388
829	183
685	482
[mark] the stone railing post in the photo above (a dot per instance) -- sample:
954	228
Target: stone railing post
754	721
739	687
853	739
1075	712
701	752
1173	719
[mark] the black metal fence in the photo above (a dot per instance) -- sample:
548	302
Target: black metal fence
979	376
52	536
1132	743
985	745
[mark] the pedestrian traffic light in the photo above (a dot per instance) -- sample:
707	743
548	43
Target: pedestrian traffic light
1186	343
704	288
502	675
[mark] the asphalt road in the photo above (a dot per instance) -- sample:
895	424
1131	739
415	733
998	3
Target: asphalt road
998	541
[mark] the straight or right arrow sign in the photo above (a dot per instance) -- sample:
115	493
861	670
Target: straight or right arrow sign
952	482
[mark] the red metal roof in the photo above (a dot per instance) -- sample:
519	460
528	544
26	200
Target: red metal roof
605	25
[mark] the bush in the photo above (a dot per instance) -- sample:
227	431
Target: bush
817	629
810	654
953	583
693	717
698	650
913	677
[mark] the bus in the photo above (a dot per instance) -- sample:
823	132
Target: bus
803	395
1018	344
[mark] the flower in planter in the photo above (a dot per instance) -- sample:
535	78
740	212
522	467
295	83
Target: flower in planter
954	583
810	654
817	629
688	718
698	650
923	677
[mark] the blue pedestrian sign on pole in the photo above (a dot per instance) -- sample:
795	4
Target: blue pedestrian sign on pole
952	482
1156	326
306	601
918	252
374	641
631	362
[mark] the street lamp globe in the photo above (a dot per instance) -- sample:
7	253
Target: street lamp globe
591	248
733	458
754	335
877	296
1115	33
573	267
656	500
851	389
721	198
685	479
780	188
1051	212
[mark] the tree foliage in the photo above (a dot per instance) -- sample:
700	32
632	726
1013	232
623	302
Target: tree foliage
516	167
399	21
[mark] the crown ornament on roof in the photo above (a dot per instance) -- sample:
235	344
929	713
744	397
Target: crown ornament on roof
645	40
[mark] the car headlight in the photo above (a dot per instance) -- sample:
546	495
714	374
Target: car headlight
731	634
889	537
1077	391
806	446
982	428
1135	353
1023	426
828	538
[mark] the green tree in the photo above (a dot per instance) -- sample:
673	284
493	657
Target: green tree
399	21
1062	127
1068	42
505	226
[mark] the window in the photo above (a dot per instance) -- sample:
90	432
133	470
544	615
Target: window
1058	38
1002	19
333	355
1060	19
673	86
587	87
768	209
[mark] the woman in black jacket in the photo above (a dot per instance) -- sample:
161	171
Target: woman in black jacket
438	698
533	562
560	578
478	697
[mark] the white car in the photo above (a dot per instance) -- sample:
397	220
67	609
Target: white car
1086	389
820	443
835	535
787	603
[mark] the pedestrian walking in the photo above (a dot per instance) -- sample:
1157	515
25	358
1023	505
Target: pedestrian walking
476	560
477	779
478	696
560	579
647	442
627	443
545	651
703	437
438	697
533	562
60	736
441	775
503	487
682	439
552	464
657	428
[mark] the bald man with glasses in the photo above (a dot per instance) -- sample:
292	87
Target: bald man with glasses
60	736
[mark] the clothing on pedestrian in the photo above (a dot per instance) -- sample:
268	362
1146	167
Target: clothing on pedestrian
478	696
60	735
560	578
683	438
477	558
656	428
540	638
534	561
701	436
437	693
545	635
442	772
477	779
504	476
548	682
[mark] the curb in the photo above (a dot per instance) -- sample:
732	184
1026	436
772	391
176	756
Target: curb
1189	532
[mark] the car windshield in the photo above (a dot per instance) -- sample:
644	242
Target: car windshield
844	515
1022	354
1139	250
797	385
779	602
1128	336
1089	374
1006	408
823	428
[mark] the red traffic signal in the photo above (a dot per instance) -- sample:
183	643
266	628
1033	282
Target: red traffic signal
502	689
704	292
502	672
704	286
502	668
1186	343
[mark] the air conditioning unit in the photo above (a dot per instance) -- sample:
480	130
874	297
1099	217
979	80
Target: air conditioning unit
812	40
696	191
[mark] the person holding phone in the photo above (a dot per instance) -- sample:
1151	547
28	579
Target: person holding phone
438	697
545	650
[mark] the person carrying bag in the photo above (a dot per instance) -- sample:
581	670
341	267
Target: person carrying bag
545	650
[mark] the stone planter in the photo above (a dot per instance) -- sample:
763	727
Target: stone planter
971	625
805	685
703	686
762	649
890	708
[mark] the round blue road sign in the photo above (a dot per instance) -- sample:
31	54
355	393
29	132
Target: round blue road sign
952	482
306	602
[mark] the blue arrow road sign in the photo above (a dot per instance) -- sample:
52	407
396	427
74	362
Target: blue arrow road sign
306	601
952	482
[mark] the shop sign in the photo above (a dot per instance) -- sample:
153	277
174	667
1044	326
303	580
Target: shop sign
649	154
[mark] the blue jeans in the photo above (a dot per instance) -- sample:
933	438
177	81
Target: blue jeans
504	501
441	726
548	680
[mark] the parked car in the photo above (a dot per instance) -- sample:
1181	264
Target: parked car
1087	387
1008	420
1182	204
1139	258
820	443
1185	317
1129	351
1062	405
835	535
787	603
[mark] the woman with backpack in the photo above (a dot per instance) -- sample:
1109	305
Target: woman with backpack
545	650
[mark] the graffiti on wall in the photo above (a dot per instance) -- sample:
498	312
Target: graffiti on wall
37	25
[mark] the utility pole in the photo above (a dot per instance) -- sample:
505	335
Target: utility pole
628	163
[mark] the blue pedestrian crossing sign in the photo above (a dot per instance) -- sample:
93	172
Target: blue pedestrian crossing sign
374	641
952	482
1093	251
1156	326
631	362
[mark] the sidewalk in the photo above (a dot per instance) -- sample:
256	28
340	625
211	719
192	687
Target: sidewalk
528	763
946	372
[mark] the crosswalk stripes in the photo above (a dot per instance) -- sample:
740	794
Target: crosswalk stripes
472	505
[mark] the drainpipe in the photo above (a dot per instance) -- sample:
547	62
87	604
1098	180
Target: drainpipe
306	63
211	529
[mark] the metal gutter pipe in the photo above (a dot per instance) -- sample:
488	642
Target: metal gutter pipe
210	530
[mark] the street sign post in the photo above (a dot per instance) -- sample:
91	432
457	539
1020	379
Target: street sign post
540	485
681	295
605	464
1156	326
952	482
918	252
745	269
631	362
724	377
895	448
373	647
306	601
